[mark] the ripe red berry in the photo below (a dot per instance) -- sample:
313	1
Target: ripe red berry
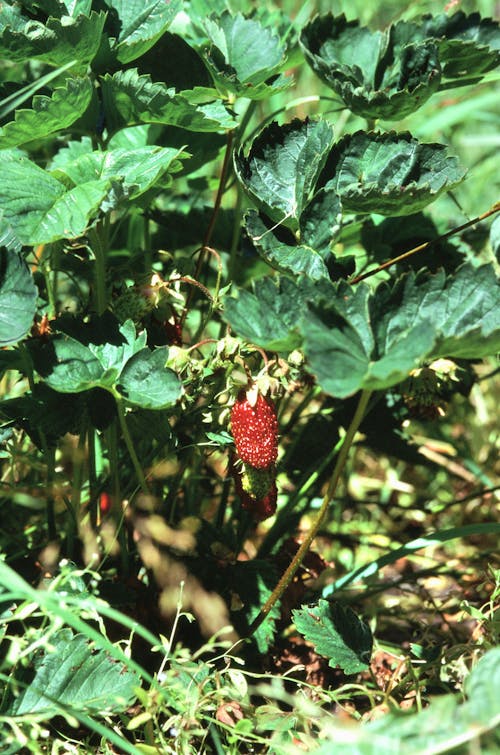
255	431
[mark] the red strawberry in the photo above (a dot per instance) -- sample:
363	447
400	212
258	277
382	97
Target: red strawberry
255	430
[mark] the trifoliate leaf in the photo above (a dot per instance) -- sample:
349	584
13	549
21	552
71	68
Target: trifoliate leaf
377	74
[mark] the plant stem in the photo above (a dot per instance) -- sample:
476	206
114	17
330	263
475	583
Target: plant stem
332	486
99	241
130	446
427	244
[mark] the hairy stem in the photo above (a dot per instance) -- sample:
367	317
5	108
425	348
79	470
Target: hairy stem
332	486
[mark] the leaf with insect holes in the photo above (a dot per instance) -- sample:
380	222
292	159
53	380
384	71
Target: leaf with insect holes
337	634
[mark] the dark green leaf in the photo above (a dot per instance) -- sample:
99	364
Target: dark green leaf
73	673
469	46
39	207
130	99
377	74
495	237
48	114
337	634
280	249
253	582
18	295
389	174
269	315
44	414
283	165
55	42
360	338
146	382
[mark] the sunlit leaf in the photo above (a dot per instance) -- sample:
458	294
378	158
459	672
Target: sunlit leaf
48	114
72	672
337	634
57	42
130	99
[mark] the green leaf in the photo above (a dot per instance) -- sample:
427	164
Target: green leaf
469	46
337	634
48	114
244	56
18	295
73	673
130	99
280	249
146	382
463	309
138	24
136	169
253	582
377	74
358	338
86	355
39	207
44	414
269	315
57	42
283	166
389	174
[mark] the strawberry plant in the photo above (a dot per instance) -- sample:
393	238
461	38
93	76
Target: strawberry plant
249	314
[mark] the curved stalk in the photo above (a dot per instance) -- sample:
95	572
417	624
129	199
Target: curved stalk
332	486
427	244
